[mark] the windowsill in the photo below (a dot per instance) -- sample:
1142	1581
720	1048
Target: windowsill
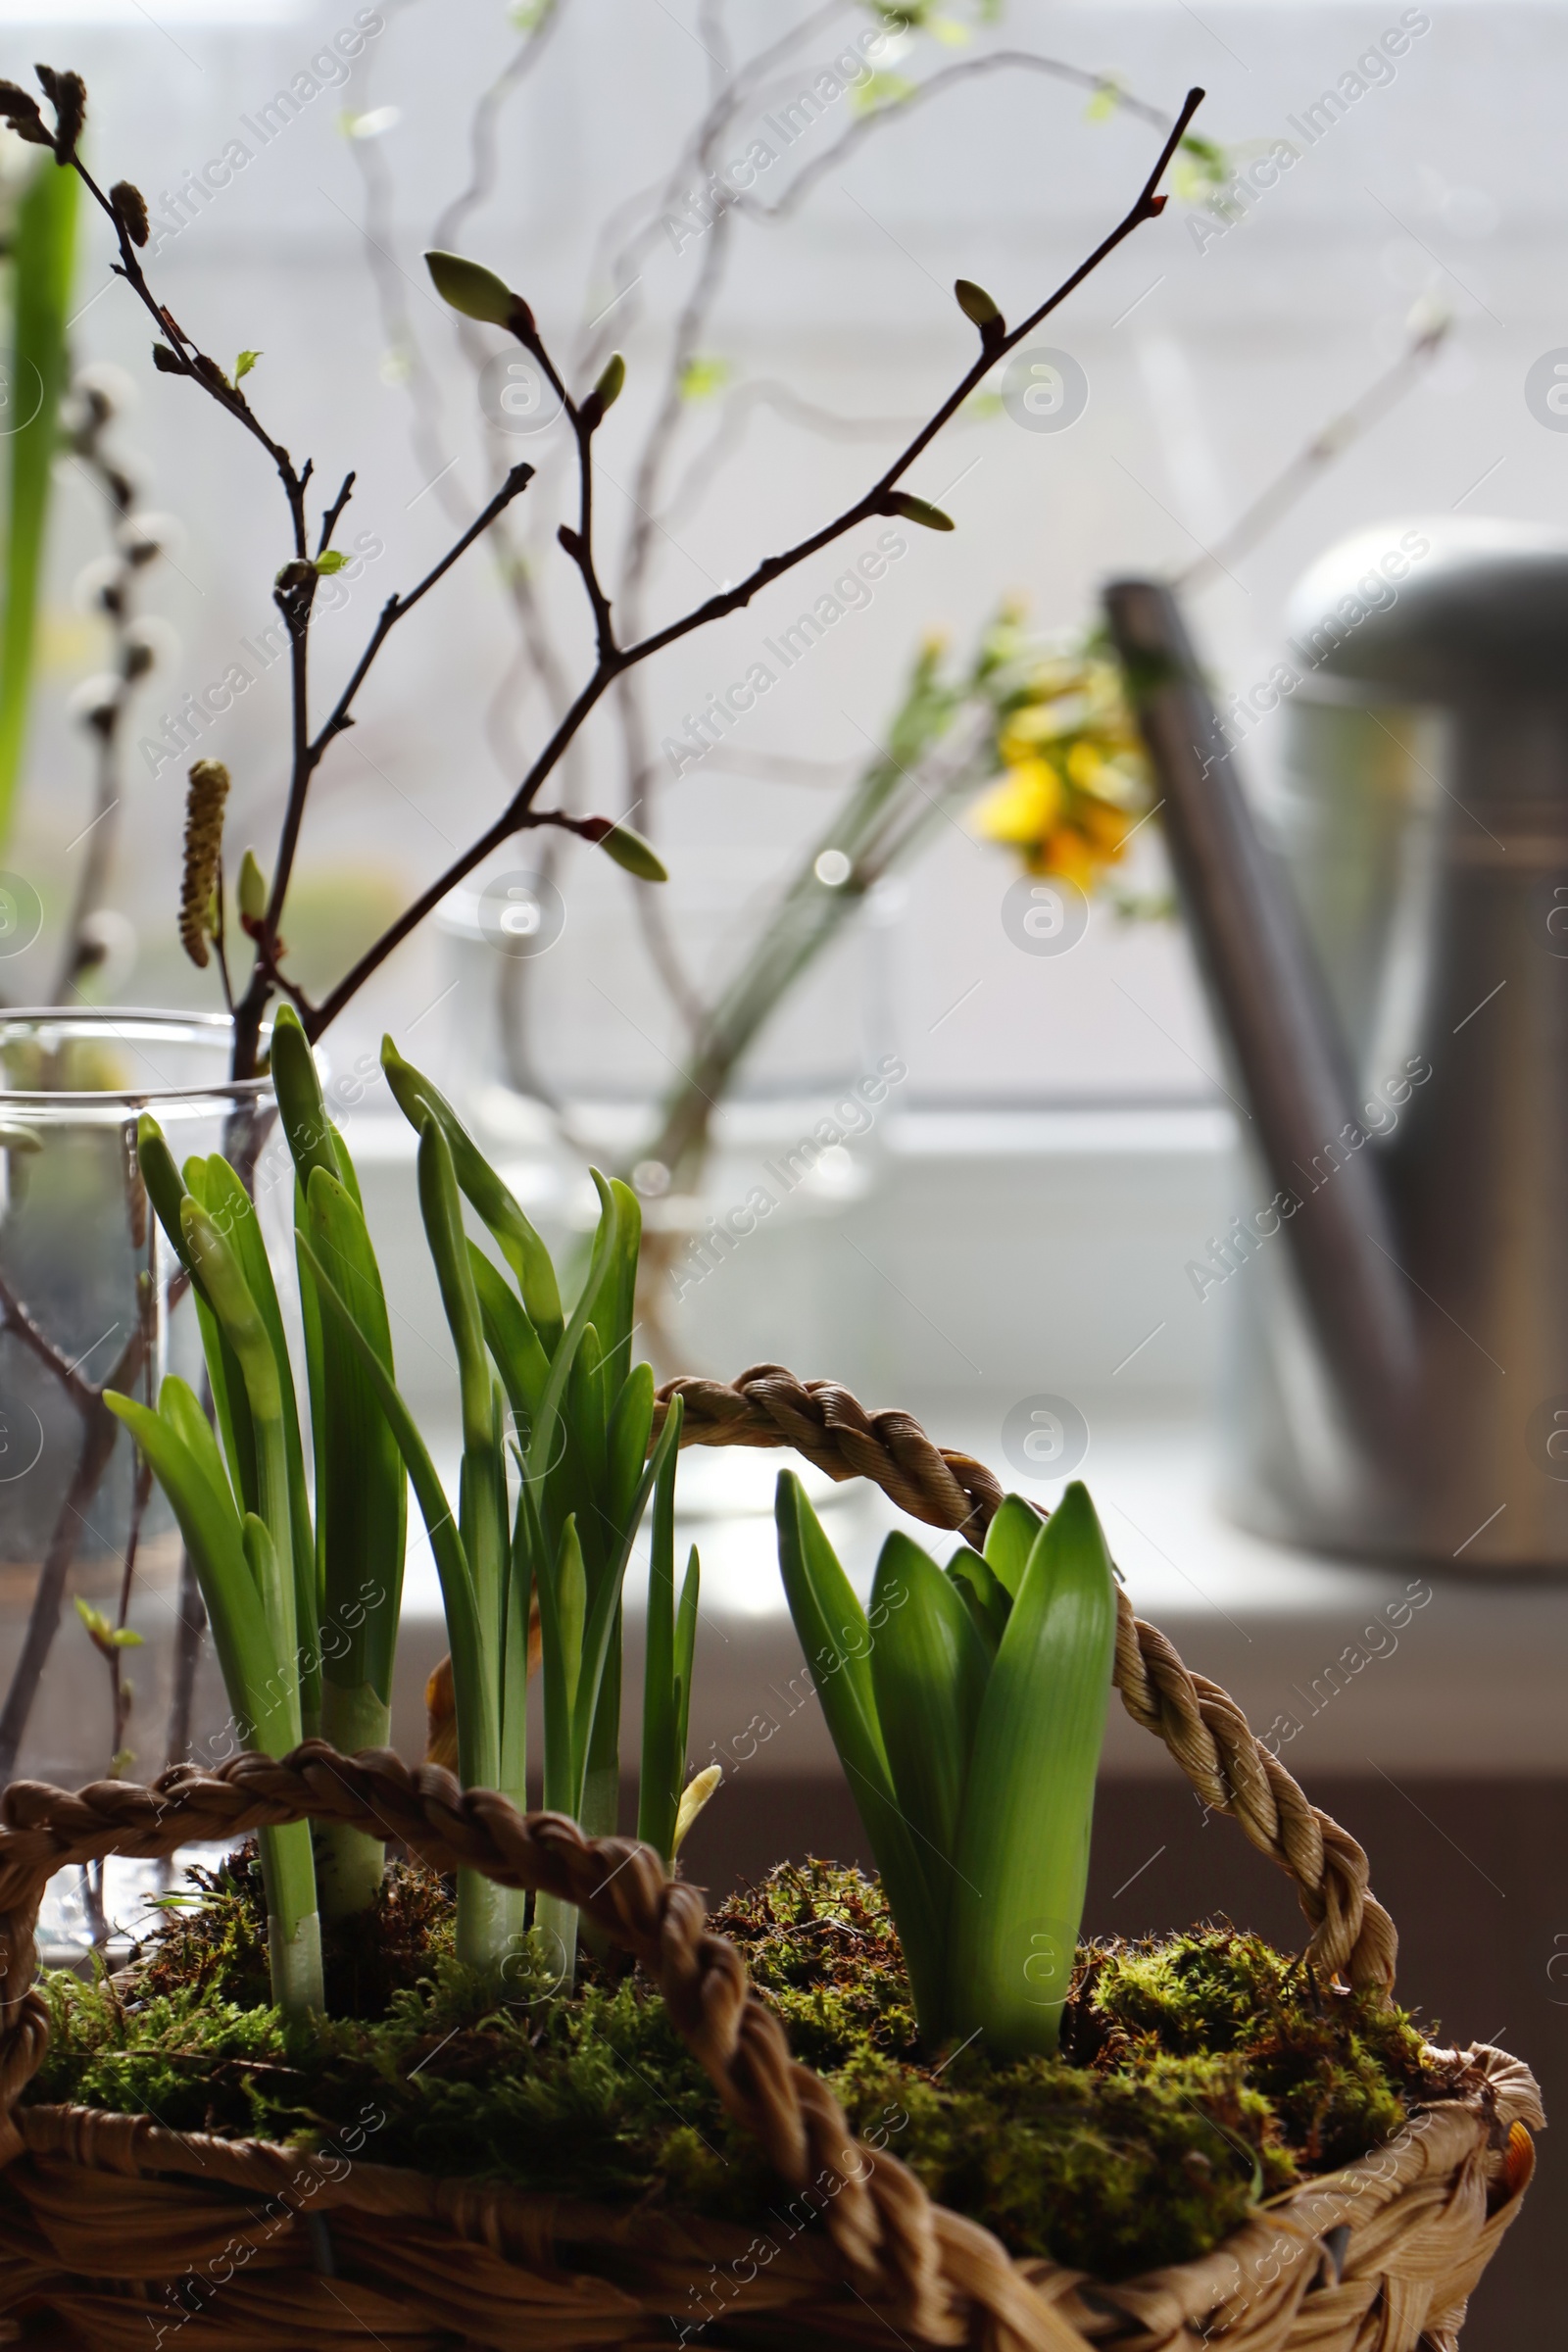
1458	1676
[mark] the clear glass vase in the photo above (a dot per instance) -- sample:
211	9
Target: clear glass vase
99	1629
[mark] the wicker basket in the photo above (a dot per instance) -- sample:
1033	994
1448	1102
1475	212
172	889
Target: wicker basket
130	2237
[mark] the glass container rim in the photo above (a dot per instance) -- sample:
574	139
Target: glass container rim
127	1020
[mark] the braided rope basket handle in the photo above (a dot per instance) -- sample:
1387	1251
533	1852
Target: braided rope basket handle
883	2226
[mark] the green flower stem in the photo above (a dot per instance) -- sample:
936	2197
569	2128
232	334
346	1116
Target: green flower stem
601	1783
349	1864
293	1924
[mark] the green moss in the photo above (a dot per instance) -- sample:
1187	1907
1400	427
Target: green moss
1195	2073
1337	2068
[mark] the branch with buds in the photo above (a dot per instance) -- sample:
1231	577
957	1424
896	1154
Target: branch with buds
477	293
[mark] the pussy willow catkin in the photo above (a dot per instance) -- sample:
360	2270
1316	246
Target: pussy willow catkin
204	840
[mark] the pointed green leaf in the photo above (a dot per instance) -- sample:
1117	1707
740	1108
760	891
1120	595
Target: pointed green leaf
214	1259
362	1487
513	1776
1010	1539
211	1529
166	1190
542	1446
477	1729
277	1606
837	1642
603	1614
512	1340
663	1770
519	1244
585	1414
985	1598
630	1426
442	1213
1023	1841
571	1609
214	1183
165	1186
929	1670
307	1131
686	1645
614	1309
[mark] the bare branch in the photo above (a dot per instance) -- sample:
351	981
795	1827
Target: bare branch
1146	206
947	77
1329	443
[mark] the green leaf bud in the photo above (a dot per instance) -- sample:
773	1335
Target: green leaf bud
975	303
252	889
918	510
478	292
628	849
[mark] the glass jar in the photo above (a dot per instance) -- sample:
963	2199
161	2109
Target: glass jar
92	1295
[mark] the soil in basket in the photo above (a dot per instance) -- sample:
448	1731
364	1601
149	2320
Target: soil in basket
1196	2071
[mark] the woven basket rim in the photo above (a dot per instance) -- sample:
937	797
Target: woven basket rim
1301	2246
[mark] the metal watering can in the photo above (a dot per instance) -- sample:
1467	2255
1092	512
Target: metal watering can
1390	973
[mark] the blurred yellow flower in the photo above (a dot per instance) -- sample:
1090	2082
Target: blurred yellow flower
1073	784
1024	807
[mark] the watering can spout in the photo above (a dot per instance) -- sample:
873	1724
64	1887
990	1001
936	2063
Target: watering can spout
1302	1114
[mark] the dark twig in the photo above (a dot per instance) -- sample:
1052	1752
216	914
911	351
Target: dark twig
296	584
18	1318
879	500
734	90
333	515
397	608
